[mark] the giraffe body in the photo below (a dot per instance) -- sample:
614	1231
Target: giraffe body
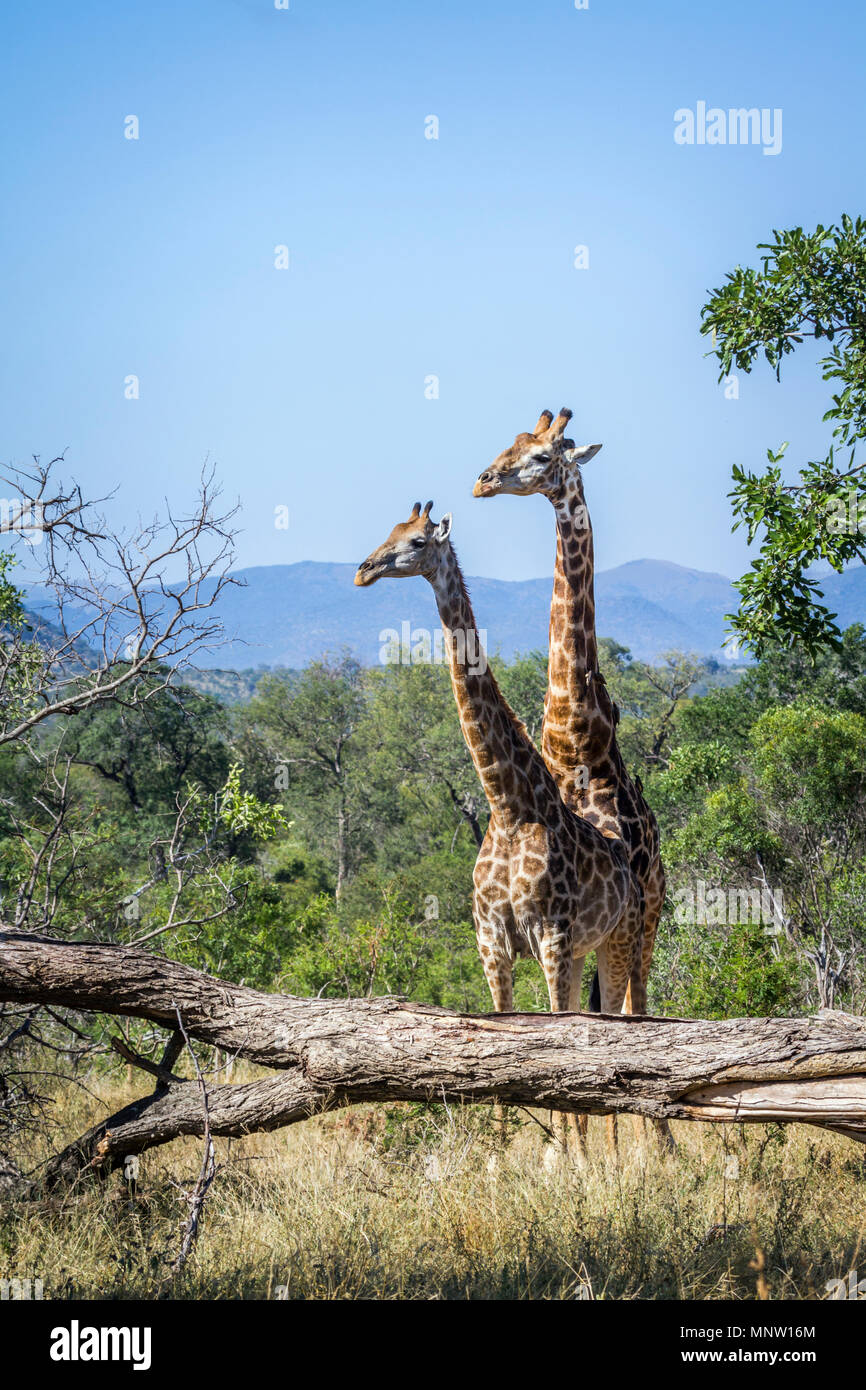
547	883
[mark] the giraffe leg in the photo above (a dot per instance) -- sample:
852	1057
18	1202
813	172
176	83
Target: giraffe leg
635	1003
654	905
574	988
500	981
558	967
594	1008
577	1124
614	969
499	973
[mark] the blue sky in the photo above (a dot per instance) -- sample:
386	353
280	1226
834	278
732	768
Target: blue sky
409	257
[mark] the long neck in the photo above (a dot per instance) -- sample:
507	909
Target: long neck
572	612
509	766
578	726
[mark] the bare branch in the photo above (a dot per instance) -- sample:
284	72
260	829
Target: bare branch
107	610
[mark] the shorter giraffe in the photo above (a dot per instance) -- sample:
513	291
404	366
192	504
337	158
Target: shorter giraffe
546	883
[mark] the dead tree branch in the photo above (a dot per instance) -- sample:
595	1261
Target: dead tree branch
331	1052
207	1172
104	608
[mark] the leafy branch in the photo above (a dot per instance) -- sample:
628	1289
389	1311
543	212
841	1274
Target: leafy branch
809	285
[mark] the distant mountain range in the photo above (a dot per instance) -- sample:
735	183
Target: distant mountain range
288	615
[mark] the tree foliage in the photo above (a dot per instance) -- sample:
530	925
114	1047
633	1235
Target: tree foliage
810	285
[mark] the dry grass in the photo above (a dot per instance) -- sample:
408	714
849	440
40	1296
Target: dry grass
394	1202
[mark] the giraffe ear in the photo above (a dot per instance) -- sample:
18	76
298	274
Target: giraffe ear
582	454
545	420
443	530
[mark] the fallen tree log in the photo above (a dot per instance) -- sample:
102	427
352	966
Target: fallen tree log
332	1052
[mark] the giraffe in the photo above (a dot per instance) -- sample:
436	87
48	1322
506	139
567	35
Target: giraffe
547	883
578	740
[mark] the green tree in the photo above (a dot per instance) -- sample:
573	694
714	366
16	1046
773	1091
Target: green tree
150	748
12	613
649	697
693	772
738	973
419	767
311	723
523	682
835	678
788	819
723	715
810	284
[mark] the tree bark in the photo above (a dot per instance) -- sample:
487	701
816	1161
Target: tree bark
331	1052
342	852
466	807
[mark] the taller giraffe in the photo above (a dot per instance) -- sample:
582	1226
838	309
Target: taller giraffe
578	740
546	882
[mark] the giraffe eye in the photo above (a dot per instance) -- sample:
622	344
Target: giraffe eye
418	541
542	458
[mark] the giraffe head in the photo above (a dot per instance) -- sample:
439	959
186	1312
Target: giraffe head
537	462
413	547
